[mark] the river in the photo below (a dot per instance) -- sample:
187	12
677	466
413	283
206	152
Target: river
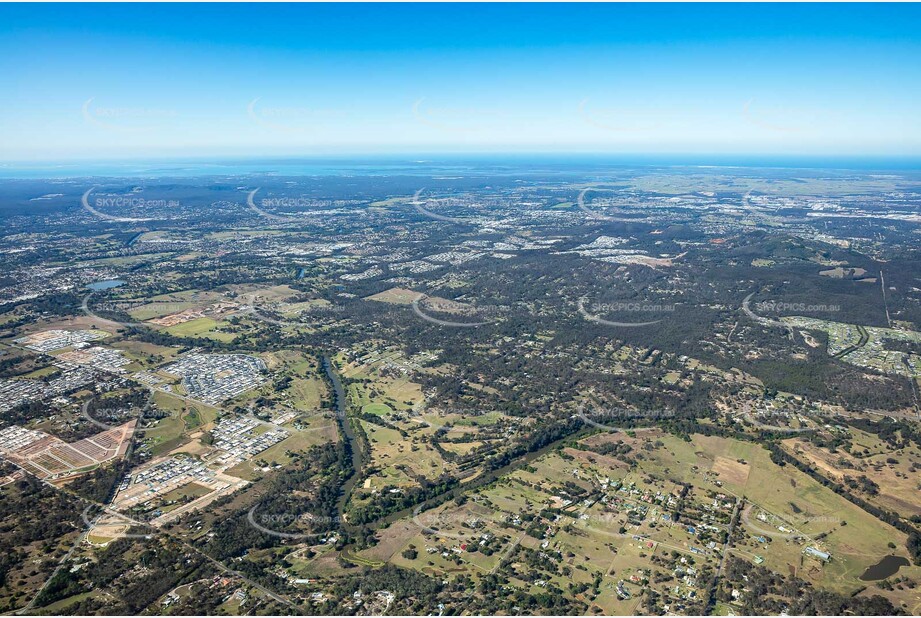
353	446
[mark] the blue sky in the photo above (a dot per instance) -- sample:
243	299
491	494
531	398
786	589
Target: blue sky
108	81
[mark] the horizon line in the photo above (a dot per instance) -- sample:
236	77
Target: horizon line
449	154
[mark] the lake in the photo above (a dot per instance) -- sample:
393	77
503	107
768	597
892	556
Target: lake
105	285
887	567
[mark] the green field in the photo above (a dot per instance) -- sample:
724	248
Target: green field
159	309
377	409
855	538
321	429
189	490
202	327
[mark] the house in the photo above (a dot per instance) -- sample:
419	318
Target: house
816	553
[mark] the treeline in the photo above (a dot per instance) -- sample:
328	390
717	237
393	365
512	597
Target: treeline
913	544
100	484
542	436
895	432
163	338
768	593
298	500
386	502
415	594
33	515
781	457
135	573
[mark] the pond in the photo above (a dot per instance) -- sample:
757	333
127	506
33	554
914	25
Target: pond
887	567
105	285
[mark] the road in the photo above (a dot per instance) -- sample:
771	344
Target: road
719	570
57	569
882	286
732	527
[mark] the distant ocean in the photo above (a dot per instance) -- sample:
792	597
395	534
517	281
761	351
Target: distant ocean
437	164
